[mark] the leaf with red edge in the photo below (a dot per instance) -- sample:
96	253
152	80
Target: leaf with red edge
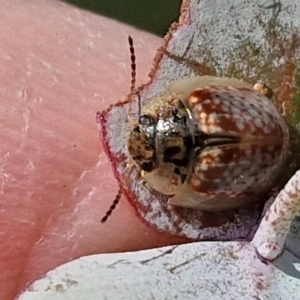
246	40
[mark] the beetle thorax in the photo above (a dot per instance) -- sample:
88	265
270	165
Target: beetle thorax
161	144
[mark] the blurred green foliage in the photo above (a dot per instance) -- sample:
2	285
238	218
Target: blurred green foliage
154	16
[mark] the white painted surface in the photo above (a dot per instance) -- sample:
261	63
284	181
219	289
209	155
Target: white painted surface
205	270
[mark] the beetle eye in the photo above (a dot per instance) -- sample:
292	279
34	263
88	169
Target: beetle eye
147	166
146	120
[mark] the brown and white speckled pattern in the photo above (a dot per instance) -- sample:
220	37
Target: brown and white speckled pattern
232	170
270	237
226	109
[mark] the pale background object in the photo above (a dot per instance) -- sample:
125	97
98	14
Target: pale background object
204	270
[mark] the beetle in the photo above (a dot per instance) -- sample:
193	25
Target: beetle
212	143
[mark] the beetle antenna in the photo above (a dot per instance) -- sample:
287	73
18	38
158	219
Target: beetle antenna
133	65
133	73
132	91
113	206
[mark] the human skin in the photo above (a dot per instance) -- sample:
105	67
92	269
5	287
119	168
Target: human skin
59	65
